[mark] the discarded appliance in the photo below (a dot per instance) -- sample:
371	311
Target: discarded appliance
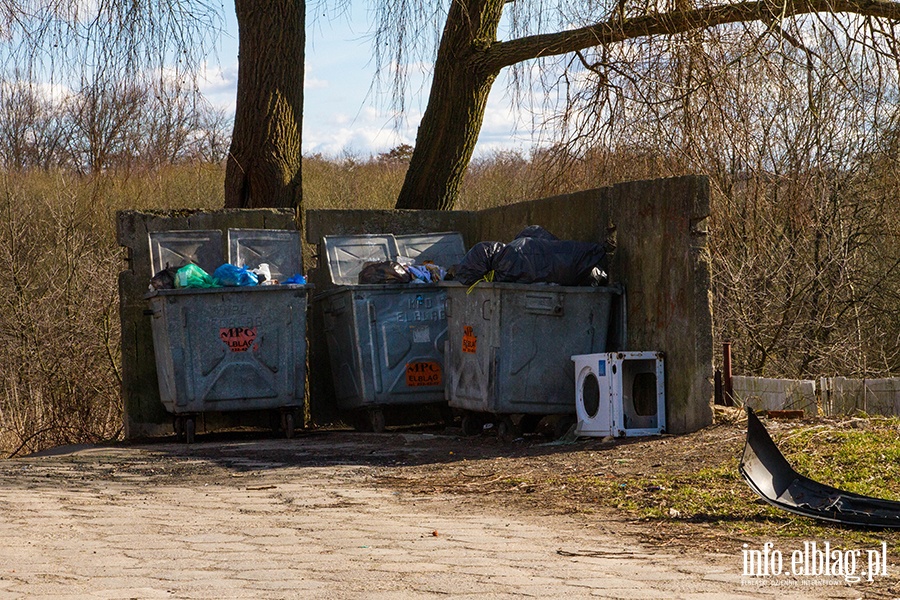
770	475
620	394
385	340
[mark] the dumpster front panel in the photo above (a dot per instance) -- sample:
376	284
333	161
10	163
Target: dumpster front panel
231	349
510	344
345	347
541	330
387	344
473	332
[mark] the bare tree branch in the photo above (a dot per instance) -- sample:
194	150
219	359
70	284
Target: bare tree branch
504	54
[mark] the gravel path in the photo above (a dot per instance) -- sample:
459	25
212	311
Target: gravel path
274	519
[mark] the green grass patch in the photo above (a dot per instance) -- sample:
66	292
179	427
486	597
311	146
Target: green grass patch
861	456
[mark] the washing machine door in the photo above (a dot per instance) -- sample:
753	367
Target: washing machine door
593	407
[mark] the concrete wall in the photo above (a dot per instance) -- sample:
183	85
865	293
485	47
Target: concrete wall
144	413
662	259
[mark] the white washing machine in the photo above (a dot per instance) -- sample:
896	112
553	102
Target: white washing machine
620	394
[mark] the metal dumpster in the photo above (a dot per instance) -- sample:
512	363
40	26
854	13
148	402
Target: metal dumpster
385	342
509	349
231	348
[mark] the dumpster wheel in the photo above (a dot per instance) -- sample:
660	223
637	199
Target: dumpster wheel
507	430
529	423
288	423
190	428
178	427
376	420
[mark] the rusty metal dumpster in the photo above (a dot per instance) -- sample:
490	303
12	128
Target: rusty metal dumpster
385	342
231	348
509	349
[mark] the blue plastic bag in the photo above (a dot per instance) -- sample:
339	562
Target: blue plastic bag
232	276
296	280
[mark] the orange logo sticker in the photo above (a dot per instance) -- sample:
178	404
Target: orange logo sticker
419	374
470	342
238	339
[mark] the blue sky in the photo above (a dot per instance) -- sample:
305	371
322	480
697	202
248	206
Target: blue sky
341	113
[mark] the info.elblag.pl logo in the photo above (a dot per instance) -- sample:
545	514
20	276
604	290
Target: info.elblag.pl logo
814	564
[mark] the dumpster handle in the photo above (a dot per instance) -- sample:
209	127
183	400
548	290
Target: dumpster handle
486	310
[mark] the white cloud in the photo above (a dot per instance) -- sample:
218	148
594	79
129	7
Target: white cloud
368	132
219	85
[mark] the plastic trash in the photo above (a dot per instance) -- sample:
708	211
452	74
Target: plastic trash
426	273
477	262
535	256
387	271
192	276
536	231
233	276
542	260
297	279
164	280
264	274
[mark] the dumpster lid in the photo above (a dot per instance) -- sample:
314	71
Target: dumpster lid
279	248
348	253
178	248
443	249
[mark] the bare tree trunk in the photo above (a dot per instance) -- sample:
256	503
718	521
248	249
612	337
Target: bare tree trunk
263	168
456	104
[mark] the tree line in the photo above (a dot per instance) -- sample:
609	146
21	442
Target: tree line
113	127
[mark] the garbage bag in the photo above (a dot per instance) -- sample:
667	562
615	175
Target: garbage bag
192	276
387	271
536	231
542	260
477	262
165	279
233	276
426	273
297	279
263	274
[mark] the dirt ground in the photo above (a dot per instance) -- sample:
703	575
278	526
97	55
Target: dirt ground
545	488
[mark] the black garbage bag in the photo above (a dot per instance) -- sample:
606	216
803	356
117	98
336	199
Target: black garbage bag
536	231
476	263
542	260
387	271
165	279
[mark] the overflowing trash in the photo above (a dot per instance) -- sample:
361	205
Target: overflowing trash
386	271
391	271
231	276
534	256
192	276
226	275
